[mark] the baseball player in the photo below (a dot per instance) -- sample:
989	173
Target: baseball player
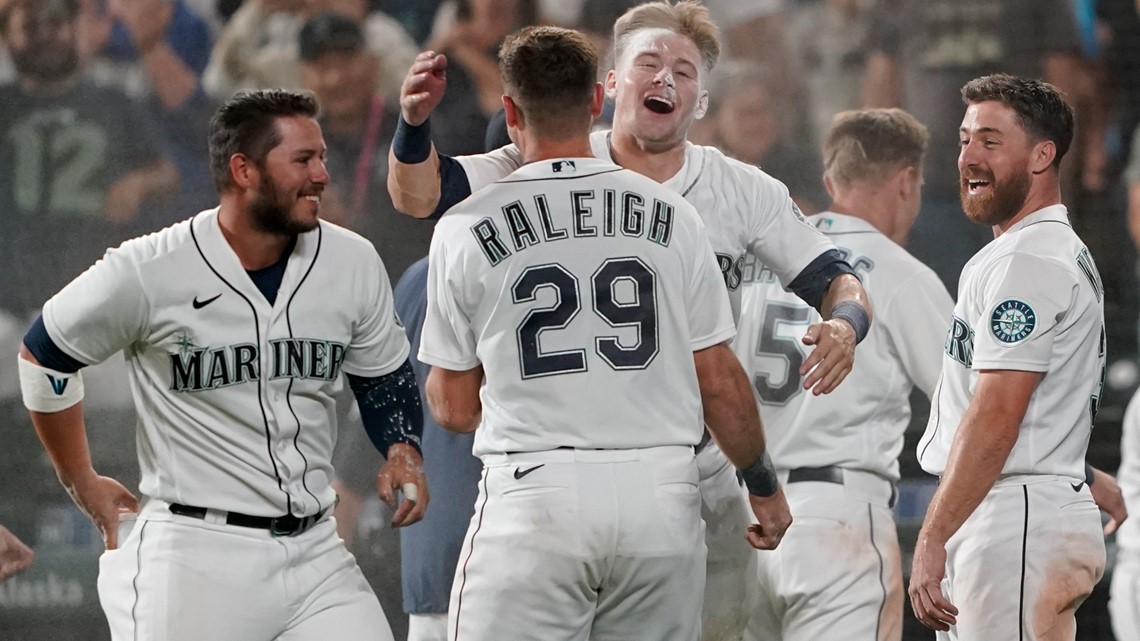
1011	544
236	325
838	575
663	55
1124	597
576	318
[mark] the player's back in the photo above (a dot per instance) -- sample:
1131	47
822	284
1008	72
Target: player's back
585	289
861	424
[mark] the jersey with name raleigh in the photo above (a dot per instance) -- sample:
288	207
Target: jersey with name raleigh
607	214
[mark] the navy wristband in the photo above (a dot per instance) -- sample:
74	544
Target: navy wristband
411	144
1089	476
853	313
760	477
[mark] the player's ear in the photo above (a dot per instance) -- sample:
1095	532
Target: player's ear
702	104
1042	156
512	114
611	84
241	171
598	101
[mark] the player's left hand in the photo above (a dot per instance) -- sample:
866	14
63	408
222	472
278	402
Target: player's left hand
930	606
1106	492
833	357
404	470
773	516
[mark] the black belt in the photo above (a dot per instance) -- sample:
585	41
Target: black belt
288	525
829	474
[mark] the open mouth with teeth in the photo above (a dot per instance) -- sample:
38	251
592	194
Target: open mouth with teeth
977	186
659	105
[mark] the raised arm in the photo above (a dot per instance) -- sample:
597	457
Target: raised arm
413	174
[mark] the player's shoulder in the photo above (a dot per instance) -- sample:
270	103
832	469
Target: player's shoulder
346	244
158	245
724	170
1043	237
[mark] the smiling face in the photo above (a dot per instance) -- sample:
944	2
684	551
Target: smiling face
657	88
993	164
292	177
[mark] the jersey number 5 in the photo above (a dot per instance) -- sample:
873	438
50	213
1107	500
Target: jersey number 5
770	344
640	313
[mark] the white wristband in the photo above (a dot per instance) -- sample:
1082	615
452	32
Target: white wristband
46	390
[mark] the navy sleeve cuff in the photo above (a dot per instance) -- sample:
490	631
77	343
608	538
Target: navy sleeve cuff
40	344
453	185
811	284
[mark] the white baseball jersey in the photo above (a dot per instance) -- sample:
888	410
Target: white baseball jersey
1128	536
861	424
583	289
234	395
746	211
1031	300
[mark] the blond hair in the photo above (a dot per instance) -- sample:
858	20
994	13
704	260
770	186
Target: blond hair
686	18
867	145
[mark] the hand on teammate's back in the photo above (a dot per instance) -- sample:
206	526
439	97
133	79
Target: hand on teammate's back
774	518
833	357
404	467
423	87
103	499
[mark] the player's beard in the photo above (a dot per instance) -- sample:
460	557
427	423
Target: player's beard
1005	199
46	62
272	210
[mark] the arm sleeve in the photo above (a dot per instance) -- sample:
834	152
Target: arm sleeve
379	344
448	339
811	284
100	312
390	407
710	315
1023	300
779	235
915	320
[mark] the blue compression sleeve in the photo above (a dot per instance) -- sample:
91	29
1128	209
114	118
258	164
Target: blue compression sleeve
390	407
812	283
453	185
45	350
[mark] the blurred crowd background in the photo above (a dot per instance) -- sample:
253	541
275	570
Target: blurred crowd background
104	107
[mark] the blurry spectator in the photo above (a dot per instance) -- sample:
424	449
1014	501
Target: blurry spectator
78	164
358	125
922	53
469	33
258	46
14	555
744	115
757	30
416	16
158	47
829	39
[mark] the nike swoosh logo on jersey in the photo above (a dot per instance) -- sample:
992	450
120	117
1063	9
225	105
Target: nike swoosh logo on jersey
199	304
1076	486
519	473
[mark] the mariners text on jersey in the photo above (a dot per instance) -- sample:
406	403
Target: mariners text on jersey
194	369
530	224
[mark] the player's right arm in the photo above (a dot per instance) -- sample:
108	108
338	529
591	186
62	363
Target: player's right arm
422	182
64	437
99	313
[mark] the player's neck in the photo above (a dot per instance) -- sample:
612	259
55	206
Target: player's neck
1037	199
255	249
535	149
877	207
634	155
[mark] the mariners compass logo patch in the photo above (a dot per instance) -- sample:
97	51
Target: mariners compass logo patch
1012	321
